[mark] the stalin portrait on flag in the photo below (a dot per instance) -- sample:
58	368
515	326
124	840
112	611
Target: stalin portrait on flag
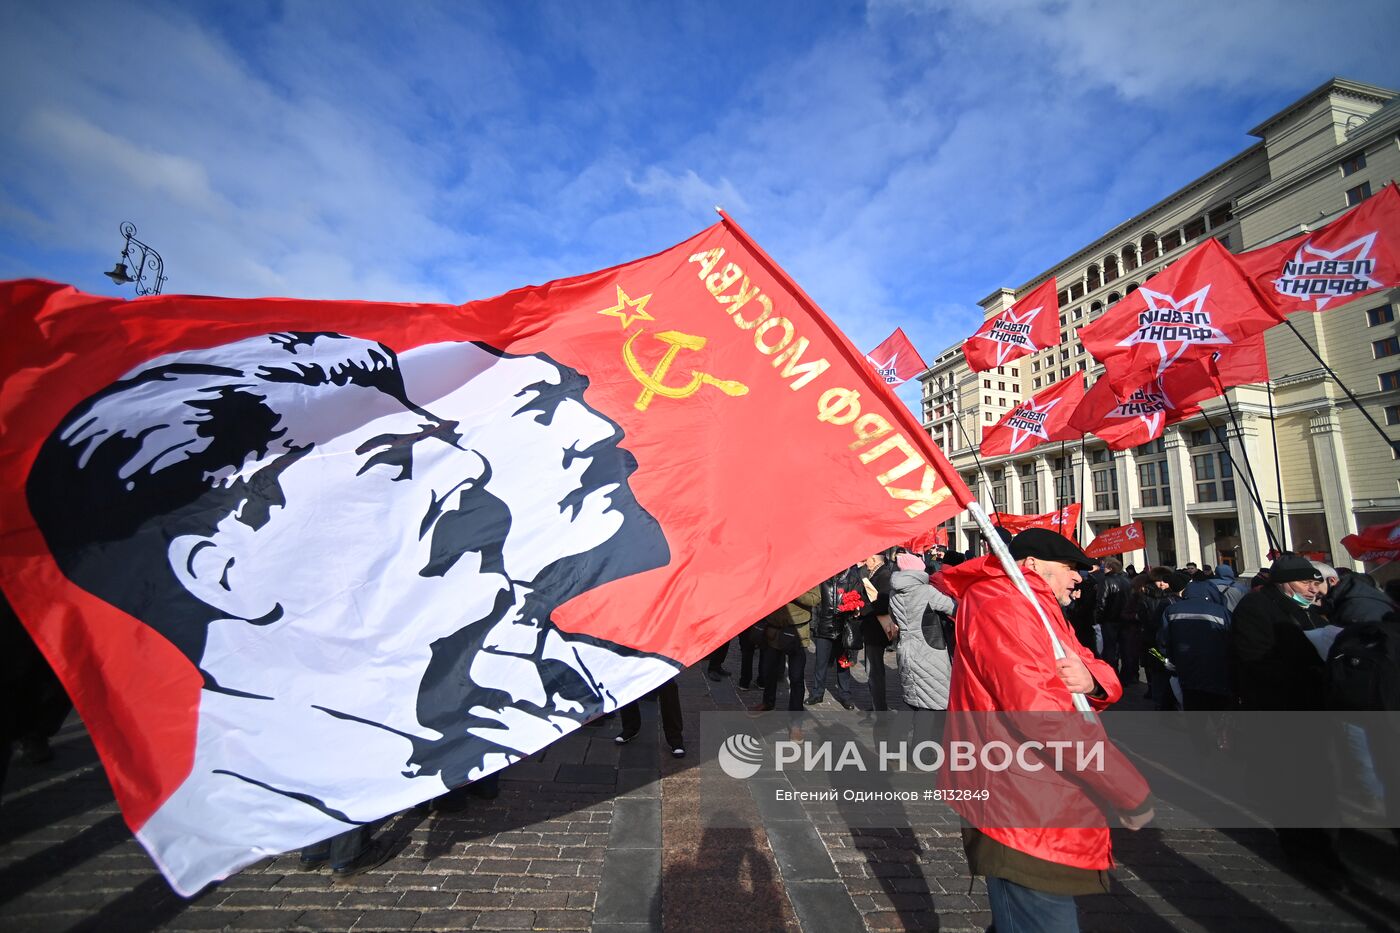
303	564
247	500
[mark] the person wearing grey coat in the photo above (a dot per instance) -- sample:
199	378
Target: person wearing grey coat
925	666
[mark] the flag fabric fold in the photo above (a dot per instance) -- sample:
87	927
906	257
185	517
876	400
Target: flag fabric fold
896	360
1042	418
1375	543
1031	324
1200	304
302	564
1063	520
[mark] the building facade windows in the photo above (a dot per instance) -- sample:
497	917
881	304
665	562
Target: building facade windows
1215	477
1358	194
1354	164
1105	490
1388	346
1390	381
1378	316
1154	483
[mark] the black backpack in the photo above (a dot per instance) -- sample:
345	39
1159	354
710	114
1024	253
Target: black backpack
1363	667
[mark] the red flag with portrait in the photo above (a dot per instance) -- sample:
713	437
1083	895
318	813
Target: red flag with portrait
1356	254
1200	304
302	564
1042	418
1031	324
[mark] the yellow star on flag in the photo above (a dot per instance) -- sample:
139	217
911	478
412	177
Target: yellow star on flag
638	306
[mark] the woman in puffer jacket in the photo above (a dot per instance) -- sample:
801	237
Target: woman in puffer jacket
925	665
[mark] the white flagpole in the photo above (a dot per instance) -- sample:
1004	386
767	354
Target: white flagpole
1081	702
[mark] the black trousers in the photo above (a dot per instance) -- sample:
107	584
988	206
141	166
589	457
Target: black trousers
716	658
771	666
747	652
875	644
668	697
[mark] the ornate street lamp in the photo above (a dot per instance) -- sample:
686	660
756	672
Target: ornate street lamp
143	261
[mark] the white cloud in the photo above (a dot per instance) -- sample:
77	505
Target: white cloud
689	189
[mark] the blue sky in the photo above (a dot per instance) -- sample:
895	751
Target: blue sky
900	158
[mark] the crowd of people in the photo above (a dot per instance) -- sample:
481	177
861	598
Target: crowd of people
969	634
1299	635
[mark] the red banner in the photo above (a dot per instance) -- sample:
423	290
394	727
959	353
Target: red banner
1031	324
895	359
1064	520
1376	544
1117	540
1356	254
302	564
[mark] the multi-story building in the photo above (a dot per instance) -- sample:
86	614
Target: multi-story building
1329	150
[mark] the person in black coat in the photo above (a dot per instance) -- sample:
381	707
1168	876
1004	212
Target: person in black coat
877	628
828	625
1277	668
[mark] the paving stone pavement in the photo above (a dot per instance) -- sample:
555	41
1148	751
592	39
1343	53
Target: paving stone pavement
589	835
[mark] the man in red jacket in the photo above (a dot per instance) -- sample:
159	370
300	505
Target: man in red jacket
1005	663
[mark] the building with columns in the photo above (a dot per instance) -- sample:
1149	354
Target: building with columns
1327	151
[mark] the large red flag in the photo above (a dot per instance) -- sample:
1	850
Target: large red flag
1031	324
302	564
1356	254
1064	520
1378	543
1198	305
896	360
1117	540
1042	417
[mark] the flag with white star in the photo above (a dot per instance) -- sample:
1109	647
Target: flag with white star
1029	325
1356	254
1037	420
896	360
1199	305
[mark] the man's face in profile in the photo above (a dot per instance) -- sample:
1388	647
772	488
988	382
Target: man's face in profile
407	526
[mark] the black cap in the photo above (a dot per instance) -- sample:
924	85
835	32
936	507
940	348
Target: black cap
1292	568
1044	544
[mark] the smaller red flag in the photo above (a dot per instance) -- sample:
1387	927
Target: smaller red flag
1064	520
921	544
1042	417
1117	540
1354	255
1146	411
1244	363
1198	305
1031	324
896	360
1377	543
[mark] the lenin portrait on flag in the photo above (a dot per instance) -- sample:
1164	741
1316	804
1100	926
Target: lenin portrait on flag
361	552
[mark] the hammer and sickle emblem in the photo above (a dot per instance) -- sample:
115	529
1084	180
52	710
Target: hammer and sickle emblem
652	382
